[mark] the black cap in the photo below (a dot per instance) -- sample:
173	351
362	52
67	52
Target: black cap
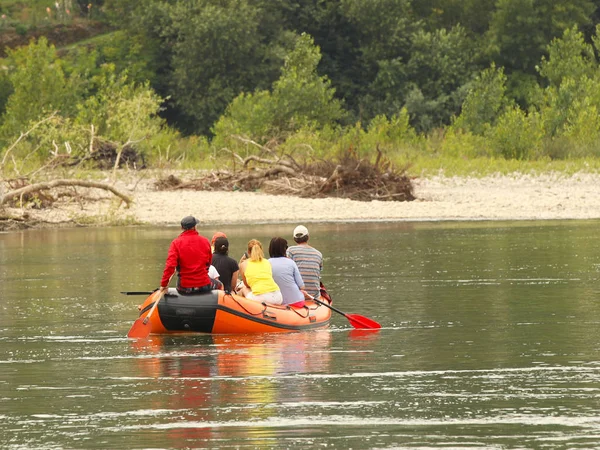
188	222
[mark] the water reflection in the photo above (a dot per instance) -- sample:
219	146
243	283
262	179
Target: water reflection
360	335
220	376
236	355
244	356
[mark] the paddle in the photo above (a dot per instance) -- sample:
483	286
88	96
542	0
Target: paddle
138	292
140	328
360	322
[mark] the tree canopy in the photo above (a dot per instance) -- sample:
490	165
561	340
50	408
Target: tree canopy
272	70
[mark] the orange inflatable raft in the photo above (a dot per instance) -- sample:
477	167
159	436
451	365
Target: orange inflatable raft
218	312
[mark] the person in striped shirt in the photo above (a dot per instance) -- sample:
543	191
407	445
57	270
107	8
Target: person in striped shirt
308	259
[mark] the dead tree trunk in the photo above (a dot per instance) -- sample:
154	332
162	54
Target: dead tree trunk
57	183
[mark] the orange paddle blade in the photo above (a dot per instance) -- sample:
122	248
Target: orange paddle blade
139	329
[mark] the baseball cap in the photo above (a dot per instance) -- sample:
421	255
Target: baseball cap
300	231
218	234
188	222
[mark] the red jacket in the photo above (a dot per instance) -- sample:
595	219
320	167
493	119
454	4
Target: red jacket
190	254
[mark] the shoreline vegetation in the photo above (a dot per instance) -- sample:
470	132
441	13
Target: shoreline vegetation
438	111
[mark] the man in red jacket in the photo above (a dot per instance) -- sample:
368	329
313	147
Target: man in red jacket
191	256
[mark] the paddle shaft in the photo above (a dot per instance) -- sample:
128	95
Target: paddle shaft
328	306
139	329
138	292
147	318
162	294
355	320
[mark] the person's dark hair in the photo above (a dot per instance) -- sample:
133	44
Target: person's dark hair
300	240
278	247
221	245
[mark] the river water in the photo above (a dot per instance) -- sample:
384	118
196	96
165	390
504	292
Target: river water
489	340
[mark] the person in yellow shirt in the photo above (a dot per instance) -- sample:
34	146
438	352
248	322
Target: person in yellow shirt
258	279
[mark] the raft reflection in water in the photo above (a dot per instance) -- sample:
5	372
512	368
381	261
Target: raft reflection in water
219	380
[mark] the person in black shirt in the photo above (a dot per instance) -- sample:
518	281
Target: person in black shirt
226	266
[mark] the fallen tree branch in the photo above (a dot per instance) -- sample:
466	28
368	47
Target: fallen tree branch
283	161
56	183
260	174
235	155
258	159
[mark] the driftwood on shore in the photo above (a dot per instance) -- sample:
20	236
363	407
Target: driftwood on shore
349	177
24	193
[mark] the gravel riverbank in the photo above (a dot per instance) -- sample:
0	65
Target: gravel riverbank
513	197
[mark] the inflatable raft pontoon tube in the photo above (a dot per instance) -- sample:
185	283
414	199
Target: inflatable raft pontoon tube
218	312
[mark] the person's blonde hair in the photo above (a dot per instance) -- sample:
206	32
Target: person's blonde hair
255	250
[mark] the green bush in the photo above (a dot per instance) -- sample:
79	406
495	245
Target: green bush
169	149
582	130
517	135
310	144
21	29
40	86
458	143
484	103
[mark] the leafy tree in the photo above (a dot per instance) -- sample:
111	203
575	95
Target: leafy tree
385	27
570	102
379	56
129	52
40	86
520	30
570	56
119	112
67	103
519	33
485	101
212	51
300	98
583	127
122	112
430	84
335	33
564	121
440	65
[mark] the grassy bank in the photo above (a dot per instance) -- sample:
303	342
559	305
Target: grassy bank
481	167
418	166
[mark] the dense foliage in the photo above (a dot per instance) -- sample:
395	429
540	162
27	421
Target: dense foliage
515	79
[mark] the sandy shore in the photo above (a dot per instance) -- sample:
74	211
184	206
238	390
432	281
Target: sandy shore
515	197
